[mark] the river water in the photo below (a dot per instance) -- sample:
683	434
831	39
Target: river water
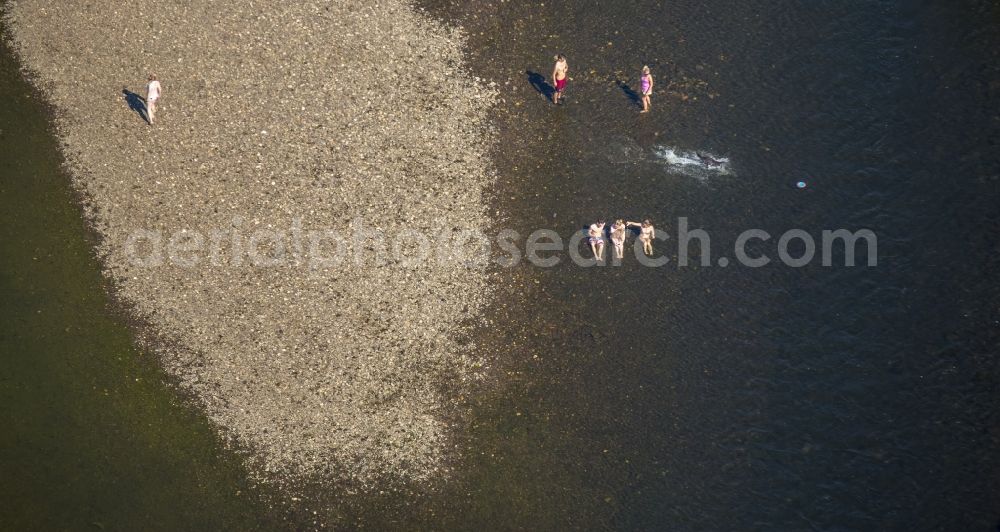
741	398
860	398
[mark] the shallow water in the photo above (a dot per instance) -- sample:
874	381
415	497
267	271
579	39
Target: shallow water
732	398
626	397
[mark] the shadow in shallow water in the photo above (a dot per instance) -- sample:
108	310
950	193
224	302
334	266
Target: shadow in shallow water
538	82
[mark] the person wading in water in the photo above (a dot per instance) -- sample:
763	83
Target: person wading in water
559	73
646	234
595	237
647	88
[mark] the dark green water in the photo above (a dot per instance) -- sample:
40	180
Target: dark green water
90	436
629	398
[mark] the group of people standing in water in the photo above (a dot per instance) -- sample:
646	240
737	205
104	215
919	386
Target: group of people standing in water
617	231
595	237
560	74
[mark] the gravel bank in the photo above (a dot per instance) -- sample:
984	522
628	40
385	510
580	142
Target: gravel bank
317	115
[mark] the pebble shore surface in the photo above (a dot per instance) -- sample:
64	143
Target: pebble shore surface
282	119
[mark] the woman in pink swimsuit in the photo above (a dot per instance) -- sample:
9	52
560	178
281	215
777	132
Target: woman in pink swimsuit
647	88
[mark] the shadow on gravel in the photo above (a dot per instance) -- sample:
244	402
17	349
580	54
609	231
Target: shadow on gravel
136	103
538	82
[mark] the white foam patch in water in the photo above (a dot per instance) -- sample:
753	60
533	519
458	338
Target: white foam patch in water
698	164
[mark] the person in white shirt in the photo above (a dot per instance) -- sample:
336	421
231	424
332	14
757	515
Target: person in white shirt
153	92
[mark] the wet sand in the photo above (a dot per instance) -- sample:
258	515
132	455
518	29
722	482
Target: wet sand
282	118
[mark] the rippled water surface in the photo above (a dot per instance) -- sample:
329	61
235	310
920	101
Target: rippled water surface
732	398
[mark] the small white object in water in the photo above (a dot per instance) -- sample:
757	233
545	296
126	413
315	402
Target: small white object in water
801	184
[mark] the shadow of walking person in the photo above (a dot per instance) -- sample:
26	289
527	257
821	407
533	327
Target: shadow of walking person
538	82
630	92
136	103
